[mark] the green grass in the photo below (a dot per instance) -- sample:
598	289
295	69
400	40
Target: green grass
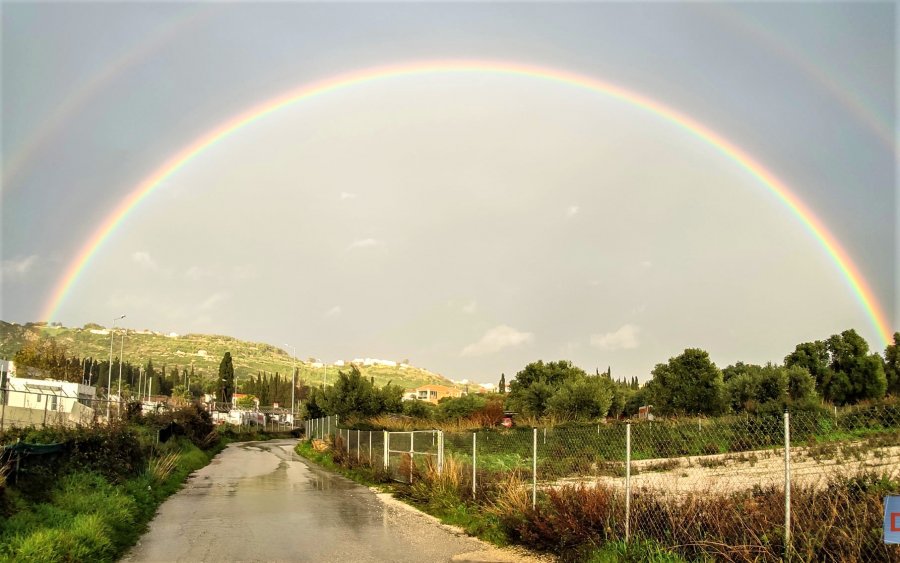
638	551
85	517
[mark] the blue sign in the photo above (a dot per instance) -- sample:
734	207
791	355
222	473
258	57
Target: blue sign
892	519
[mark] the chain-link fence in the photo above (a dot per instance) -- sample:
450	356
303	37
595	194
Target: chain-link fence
744	487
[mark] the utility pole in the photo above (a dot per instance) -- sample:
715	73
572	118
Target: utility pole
112	332
293	380
121	353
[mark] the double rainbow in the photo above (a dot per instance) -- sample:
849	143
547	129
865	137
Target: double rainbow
841	259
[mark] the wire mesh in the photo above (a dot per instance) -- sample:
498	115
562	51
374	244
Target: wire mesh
725	488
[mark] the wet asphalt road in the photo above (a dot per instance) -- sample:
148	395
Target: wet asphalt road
259	501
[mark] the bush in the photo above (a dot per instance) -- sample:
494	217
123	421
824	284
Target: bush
419	409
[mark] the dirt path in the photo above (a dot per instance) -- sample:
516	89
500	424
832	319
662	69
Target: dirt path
258	501
726	473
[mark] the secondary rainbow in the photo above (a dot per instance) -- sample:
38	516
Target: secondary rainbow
777	188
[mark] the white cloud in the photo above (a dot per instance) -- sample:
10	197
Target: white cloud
143	260
496	339
244	273
214	300
18	267
365	243
647	263
470	308
572	210
347	195
195	273
625	338
333	312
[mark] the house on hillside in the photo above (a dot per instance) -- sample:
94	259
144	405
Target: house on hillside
431	393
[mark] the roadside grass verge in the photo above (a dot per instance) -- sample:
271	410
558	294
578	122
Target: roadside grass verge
586	522
93	499
86	517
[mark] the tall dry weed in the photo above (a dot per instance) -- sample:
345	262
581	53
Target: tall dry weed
160	468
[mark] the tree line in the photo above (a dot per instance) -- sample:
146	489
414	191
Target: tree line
839	370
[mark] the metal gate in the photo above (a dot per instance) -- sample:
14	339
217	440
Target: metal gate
409	453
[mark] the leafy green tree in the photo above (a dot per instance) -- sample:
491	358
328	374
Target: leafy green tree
455	408
583	398
813	356
354	395
532	400
801	384
314	406
750	386
892	365
844	370
857	375
226	377
533	386
622	393
501	387
688	384
419	409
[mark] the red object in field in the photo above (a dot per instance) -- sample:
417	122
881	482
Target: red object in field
507	421
895	521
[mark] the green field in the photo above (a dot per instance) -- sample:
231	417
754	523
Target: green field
204	351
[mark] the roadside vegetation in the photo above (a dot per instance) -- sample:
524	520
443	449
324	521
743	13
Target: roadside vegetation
844	408
87	493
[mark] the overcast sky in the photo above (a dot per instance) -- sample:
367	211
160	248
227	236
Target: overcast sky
468	223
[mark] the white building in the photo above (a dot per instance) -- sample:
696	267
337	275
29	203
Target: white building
48	393
28	402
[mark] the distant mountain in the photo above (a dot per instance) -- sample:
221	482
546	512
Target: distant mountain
205	351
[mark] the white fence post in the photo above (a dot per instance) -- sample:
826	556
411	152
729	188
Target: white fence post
387	447
474	460
412	454
787	486
357	447
440	452
534	470
627	482
370	449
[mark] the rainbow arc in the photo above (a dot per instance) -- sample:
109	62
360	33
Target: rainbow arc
766	178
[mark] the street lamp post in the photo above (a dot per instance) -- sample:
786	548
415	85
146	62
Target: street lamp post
293	379
109	373
121	354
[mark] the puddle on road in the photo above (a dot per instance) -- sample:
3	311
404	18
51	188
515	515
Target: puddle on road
262	502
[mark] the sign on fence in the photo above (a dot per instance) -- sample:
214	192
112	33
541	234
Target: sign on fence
892	519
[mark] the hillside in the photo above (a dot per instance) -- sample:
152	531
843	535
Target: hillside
204	351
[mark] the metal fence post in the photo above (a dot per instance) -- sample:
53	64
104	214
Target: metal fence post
370	448
474	460
534	470
412	455
357	447
787	486
627	482
387	449
440	452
